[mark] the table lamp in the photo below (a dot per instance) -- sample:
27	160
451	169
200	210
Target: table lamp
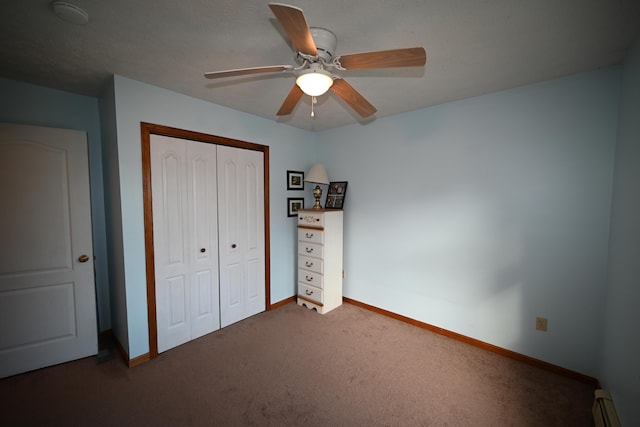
317	175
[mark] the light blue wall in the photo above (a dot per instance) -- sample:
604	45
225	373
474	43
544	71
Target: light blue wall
27	104
137	102
112	215
479	215
621	344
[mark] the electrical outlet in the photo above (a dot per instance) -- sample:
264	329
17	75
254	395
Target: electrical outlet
541	324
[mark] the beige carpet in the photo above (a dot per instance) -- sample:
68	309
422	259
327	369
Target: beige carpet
294	367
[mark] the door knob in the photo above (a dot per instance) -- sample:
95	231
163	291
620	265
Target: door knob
83	258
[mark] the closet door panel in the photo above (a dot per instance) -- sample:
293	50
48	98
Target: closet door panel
231	308
230	211
254	220
252	215
169	187
177	302
184	188
203	250
172	190
234	294
253	281
241	207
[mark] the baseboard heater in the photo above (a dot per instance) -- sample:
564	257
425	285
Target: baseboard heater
604	413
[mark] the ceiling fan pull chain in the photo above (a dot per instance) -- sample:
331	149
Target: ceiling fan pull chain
313	101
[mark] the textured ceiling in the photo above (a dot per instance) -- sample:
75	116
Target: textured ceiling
473	47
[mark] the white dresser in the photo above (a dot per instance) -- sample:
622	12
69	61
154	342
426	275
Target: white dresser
320	259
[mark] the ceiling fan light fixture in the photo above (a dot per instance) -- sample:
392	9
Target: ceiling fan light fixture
315	82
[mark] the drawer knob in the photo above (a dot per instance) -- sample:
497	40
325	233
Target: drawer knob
203	250
308	292
308	264
309	250
309	279
309	235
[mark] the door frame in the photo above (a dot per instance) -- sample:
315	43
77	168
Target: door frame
148	129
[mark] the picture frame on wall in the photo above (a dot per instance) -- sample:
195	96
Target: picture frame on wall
295	180
336	194
294	204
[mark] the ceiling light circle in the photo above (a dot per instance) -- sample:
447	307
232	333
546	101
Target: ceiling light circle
315	82
70	12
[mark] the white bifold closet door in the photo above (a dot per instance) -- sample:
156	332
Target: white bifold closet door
208	232
185	239
241	229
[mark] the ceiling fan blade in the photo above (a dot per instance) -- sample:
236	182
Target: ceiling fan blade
291	101
352	97
295	25
245	71
410	57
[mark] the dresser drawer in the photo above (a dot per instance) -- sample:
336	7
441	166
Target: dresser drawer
310	249
310	278
311	292
312	264
313	219
310	235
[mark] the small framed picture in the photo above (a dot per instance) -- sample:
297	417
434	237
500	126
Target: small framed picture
293	204
336	194
295	180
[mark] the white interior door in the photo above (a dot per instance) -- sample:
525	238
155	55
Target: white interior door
183	181
241	233
47	292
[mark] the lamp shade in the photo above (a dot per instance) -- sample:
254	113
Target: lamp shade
317	174
315	82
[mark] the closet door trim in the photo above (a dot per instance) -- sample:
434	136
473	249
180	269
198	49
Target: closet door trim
147	129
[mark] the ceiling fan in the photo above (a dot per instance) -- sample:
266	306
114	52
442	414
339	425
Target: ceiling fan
315	49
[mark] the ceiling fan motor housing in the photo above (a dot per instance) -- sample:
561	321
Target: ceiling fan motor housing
326	43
